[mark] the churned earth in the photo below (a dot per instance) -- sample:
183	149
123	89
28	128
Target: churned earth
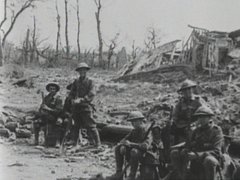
20	160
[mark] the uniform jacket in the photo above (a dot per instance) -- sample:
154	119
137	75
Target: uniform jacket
53	102
184	110
138	136
209	140
83	88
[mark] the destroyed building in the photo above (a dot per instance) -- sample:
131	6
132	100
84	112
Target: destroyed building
204	50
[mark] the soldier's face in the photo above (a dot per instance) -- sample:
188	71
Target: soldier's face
202	121
82	72
137	124
52	89
187	93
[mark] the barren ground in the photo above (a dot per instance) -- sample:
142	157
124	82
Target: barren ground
20	160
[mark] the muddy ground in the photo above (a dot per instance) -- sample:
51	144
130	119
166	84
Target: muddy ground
21	160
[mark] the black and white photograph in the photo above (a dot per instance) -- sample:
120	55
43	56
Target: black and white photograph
119	89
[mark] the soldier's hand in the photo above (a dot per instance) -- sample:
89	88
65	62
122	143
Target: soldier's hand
78	100
59	121
126	143
192	155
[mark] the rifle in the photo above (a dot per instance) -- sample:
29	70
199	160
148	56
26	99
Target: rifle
62	145
135	146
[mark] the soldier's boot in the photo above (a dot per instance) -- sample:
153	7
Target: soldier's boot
36	134
90	138
95	136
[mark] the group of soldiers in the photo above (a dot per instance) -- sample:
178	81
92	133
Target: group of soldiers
76	113
200	144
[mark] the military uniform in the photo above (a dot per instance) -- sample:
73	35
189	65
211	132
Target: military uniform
183	117
206	142
47	117
83	112
134	152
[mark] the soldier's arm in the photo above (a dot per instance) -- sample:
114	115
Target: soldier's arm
214	148
127	137
176	111
91	92
73	90
59	105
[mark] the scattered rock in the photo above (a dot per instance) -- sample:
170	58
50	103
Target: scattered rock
16	164
12	126
4	132
23	133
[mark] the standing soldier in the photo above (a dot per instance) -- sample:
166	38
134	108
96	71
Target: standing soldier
49	112
203	150
133	146
82	94
184	110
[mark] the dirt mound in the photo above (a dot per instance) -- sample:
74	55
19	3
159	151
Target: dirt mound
12	71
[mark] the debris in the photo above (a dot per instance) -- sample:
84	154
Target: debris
25	82
49	156
16	164
4	132
23	133
156	75
12	126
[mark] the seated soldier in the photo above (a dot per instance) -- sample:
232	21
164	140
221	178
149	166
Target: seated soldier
49	111
203	150
184	110
133	146
153	158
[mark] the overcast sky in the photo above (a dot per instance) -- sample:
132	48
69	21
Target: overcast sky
130	18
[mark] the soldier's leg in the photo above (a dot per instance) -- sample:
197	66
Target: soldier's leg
179	162
210	163
36	129
91	126
135	156
120	152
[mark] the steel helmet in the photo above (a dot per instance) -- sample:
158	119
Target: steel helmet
82	66
187	84
135	115
203	111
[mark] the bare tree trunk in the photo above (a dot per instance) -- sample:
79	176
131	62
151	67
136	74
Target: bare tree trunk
1	53
78	32
5	14
26	48
66	29
100	41
58	33
33	49
26	5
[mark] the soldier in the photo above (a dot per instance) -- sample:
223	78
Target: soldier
82	94
184	110
133	146
154	157
49	111
204	148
